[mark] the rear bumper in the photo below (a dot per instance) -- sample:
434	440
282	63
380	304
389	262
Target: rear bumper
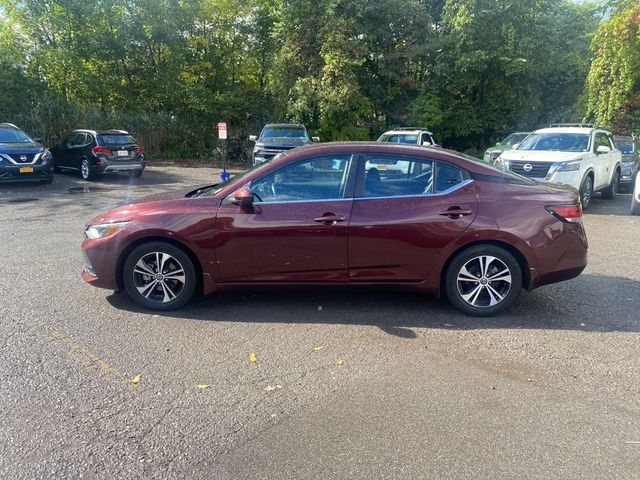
103	164
39	173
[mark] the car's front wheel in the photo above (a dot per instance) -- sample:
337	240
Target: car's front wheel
483	280
159	276
586	192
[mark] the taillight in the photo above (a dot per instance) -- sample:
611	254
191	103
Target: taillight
100	150
566	213
138	149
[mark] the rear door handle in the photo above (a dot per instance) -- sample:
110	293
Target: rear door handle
455	212
329	219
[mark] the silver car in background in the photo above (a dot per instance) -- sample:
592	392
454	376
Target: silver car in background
630	161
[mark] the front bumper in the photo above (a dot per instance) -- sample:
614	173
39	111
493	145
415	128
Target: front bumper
628	175
26	173
101	262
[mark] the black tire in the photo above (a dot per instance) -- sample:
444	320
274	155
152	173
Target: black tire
482	293
586	192
610	192
57	169
86	172
158	297
135	173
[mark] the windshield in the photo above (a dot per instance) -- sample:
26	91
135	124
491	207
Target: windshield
626	147
213	189
117	139
12	135
410	139
560	142
285	131
514	138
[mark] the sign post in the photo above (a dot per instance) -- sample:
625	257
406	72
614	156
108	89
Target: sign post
222	136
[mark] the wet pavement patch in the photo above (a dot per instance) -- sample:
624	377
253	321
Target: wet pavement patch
88	189
22	200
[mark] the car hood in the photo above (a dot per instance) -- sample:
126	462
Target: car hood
542	155
280	142
498	148
150	204
21	148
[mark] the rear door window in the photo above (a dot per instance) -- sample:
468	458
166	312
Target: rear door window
448	176
392	176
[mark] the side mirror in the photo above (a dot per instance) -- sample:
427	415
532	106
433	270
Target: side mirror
38	139
603	149
497	144
253	138
243	197
515	146
315	139
426	143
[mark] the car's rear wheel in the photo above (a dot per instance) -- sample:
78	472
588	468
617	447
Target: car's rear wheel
610	192
586	192
483	280
159	276
86	172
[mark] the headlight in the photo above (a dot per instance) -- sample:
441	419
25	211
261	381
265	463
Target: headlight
627	163
571	166
46	156
502	163
103	229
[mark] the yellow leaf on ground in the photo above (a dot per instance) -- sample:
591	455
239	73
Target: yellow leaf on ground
319	308
136	380
339	361
317	349
252	357
202	386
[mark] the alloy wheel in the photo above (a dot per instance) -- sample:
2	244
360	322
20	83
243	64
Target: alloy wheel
84	169
159	277
587	192
484	281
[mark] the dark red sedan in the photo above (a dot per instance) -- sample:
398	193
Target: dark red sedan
346	214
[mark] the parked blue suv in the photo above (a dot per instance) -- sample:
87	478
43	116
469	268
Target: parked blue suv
23	159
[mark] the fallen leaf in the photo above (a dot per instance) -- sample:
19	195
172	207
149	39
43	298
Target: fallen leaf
202	386
136	380
339	361
582	325
317	349
319	308
448	325
269	388
252	357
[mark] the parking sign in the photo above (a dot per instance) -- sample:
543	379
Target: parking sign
222	130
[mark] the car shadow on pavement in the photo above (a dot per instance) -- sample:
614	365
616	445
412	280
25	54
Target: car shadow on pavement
590	303
621	205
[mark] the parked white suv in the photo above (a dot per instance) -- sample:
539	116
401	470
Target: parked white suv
581	156
409	136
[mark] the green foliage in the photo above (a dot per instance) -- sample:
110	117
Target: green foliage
614	79
471	70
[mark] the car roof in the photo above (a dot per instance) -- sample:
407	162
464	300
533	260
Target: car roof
9	125
625	138
299	125
400	131
101	132
569	130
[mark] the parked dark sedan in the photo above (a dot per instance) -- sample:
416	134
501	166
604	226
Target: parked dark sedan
90	153
23	159
630	161
325	215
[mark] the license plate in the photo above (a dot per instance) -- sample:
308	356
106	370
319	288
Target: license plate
26	169
123	153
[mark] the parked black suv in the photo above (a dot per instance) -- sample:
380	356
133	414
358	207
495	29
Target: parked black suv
278	137
630	161
90	153
23	159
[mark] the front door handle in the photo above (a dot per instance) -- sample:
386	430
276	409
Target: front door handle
455	212
329	219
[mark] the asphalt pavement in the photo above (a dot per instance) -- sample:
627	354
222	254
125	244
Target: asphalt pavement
345	384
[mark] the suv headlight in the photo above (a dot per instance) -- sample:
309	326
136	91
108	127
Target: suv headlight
102	230
46	156
571	166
